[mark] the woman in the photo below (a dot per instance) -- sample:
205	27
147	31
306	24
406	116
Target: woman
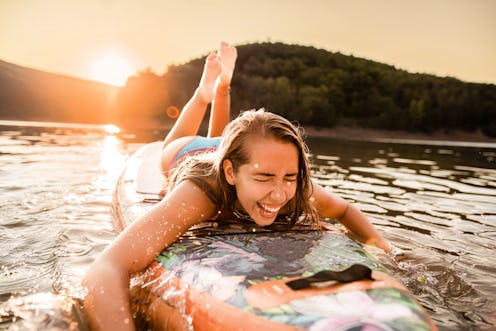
258	170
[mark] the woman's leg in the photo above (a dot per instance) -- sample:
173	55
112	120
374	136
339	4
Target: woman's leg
193	112
213	88
221	104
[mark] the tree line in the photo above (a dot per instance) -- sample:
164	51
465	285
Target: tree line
321	88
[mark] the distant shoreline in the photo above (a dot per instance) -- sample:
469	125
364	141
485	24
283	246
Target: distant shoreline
440	137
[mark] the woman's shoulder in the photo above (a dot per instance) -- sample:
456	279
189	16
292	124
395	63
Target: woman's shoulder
208	185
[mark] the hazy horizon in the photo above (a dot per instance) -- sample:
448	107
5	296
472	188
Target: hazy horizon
444	37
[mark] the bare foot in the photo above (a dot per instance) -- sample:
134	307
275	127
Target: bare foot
210	73
228	55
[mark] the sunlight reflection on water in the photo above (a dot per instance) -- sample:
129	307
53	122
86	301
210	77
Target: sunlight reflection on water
57	187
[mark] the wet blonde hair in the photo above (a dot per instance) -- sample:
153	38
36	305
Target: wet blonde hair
236	135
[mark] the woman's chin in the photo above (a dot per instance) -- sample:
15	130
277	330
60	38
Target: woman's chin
264	221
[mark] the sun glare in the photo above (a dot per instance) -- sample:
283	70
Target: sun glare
111	129
111	69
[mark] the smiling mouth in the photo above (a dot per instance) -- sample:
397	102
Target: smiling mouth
268	210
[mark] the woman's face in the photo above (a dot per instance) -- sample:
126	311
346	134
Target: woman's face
268	181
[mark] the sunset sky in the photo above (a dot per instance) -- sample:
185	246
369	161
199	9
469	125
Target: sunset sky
92	38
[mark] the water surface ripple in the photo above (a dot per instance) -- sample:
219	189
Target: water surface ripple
436	205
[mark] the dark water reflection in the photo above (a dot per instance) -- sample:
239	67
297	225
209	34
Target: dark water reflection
436	204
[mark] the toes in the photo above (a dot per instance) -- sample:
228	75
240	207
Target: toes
212	57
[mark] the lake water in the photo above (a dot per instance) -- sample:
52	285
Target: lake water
435	203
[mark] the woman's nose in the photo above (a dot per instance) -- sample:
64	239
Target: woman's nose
278	193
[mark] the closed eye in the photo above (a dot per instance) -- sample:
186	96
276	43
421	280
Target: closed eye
291	177
267	177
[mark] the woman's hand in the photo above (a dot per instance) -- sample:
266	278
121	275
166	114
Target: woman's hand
329	205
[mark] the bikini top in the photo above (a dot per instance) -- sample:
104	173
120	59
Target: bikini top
206	188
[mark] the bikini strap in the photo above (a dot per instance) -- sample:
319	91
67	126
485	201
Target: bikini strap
206	188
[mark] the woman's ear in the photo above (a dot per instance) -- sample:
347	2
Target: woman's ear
229	171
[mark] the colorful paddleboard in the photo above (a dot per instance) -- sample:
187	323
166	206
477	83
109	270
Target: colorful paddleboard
238	276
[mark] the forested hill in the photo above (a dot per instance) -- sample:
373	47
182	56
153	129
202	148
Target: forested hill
320	88
312	86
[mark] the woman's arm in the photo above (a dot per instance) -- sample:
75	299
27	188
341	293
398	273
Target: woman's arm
329	205
107	303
